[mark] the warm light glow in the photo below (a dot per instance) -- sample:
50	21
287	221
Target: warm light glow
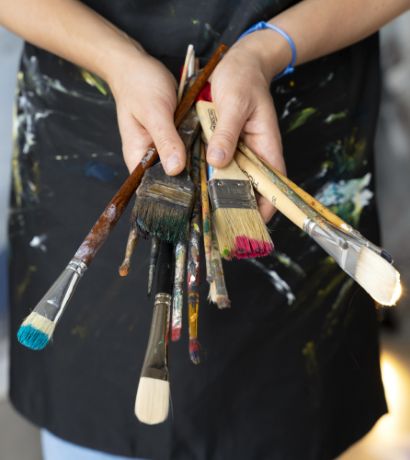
390	376
396	380
389	439
397	291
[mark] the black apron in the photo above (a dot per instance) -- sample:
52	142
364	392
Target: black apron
291	371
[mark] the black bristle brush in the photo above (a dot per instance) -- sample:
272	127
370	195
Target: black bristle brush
164	203
152	400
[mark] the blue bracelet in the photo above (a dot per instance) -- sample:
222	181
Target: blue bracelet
262	25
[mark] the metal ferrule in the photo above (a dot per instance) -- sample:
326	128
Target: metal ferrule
343	248
229	193
365	242
155	362
52	305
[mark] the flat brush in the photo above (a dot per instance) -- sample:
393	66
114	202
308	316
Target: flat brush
240	230
164	203
152	400
377	276
37	329
321	209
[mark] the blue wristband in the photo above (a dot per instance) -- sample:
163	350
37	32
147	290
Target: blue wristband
262	25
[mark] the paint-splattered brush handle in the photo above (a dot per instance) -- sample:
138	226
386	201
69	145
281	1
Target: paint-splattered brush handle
206	216
113	211
193	264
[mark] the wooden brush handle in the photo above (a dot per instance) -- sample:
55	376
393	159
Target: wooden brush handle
113	211
208	118
270	191
306	197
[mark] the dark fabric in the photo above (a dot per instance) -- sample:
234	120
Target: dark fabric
291	371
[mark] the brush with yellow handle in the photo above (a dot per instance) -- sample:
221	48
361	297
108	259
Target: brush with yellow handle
375	274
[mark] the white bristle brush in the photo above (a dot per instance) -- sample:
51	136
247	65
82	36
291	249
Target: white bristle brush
377	276
152	400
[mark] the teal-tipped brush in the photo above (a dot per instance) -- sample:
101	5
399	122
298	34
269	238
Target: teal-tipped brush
37	329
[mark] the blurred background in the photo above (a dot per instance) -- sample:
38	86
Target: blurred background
390	438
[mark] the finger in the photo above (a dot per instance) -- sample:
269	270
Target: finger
262	135
160	125
135	139
222	145
265	208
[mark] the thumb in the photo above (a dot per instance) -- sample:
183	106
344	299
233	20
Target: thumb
223	143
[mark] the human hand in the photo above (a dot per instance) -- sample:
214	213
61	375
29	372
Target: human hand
145	94
240	91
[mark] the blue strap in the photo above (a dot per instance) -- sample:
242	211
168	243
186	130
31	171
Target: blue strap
262	25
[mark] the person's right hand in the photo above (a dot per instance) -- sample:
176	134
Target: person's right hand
145	94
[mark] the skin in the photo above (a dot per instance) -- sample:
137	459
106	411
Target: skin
145	91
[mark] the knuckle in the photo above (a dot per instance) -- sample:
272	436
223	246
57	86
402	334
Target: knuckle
225	135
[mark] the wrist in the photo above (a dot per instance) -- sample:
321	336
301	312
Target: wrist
272	51
119	58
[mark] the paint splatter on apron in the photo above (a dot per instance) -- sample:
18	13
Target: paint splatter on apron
291	370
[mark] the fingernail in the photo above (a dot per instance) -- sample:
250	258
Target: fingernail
216	154
172	165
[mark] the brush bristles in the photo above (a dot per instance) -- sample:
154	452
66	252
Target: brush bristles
152	401
35	331
164	204
241	233
379	278
165	220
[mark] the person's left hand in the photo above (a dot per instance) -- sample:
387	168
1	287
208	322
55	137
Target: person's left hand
240	91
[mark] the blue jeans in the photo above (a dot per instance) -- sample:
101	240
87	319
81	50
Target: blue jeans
55	448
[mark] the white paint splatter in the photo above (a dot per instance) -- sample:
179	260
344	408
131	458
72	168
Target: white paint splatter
292	103
38	242
280	284
353	190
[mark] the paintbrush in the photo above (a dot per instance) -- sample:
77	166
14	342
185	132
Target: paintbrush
37	329
152	400
377	276
193	263
218	293
130	247
239	227
155	243
214	269
206	215
164	203
189	130
178	291
186	70
321	209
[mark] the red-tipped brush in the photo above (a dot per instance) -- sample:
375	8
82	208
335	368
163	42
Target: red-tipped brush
239	227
